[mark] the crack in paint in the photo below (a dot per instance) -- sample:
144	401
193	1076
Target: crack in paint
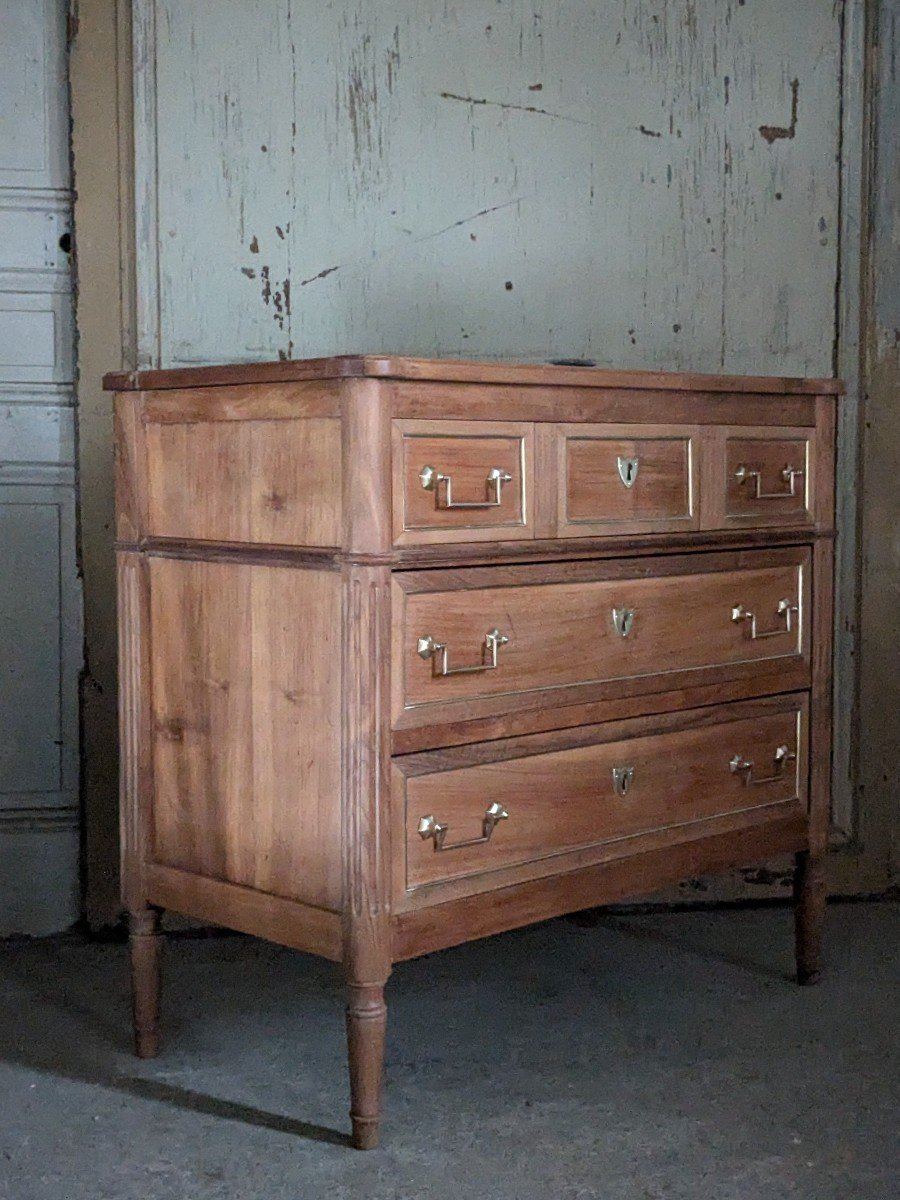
484	212
321	275
426	237
772	133
525	108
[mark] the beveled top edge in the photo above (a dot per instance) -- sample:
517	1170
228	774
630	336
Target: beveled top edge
447	370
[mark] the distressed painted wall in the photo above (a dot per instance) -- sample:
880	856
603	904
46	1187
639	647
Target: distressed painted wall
644	184
40	598
879	755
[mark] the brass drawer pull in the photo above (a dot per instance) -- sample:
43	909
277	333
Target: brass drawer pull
789	474
431	828
743	766
628	469
432	480
785	609
623	777
439	653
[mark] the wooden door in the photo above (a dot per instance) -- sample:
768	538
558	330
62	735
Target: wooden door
40	624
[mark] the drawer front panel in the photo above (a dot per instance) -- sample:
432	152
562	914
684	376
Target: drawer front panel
494	642
525	809
769	477
461	481
624	479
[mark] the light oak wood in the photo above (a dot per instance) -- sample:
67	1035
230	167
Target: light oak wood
244	402
770	452
300	926
594	498
367	851
639	873
809	904
246	726
562	633
566	800
546	401
275	482
464	455
131	469
145	947
440	370
540	717
135	785
282	737
599	549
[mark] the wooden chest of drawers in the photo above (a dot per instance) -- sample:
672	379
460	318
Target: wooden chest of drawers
415	652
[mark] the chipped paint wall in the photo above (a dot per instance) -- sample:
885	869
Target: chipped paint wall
643	184
879	751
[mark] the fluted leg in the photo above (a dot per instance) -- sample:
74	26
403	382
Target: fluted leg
366	1026
809	916
146	948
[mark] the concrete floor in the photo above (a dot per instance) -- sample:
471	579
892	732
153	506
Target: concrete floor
642	1058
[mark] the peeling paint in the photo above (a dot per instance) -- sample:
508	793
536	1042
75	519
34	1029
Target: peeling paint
772	133
417	160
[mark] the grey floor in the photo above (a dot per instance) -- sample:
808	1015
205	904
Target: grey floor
642	1057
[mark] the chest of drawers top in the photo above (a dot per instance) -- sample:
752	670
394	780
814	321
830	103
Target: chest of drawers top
421	460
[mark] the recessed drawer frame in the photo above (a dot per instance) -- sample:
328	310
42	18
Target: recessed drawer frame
570	798
615	479
537	635
457	481
767	476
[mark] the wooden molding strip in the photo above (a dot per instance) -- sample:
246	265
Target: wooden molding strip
424	930
447	371
287	922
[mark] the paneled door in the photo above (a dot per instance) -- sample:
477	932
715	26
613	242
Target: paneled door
40	618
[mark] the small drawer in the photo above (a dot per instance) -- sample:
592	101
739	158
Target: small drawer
487	808
769	477
458	481
626	479
483	641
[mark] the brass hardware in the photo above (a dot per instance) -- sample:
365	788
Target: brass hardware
432	479
431	828
439	653
743	766
628	469
784	609
789	474
623	620
623	777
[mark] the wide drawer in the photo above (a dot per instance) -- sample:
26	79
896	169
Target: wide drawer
464	816
467	643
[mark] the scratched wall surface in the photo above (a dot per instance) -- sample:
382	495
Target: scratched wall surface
643	184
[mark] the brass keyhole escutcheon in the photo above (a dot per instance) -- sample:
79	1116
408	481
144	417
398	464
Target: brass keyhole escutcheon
628	470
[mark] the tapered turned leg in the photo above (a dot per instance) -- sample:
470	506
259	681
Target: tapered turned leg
809	916
366	1025
146	949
